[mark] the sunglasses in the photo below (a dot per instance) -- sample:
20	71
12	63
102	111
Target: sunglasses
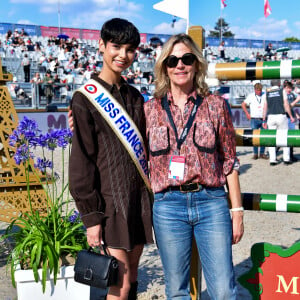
187	59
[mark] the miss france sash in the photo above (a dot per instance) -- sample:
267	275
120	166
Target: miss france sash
121	123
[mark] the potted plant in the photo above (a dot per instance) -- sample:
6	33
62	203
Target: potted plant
45	240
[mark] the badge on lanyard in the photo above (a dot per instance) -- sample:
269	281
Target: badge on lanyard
176	167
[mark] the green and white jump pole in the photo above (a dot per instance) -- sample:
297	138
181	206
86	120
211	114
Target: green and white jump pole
271	202
284	69
268	137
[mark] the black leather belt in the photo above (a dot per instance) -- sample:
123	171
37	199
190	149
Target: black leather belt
257	119
185	188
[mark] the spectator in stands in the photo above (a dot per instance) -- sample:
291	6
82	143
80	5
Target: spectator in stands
98	58
49	49
54	65
51	39
26	67
252	57
92	61
56	86
8	37
130	77
274	117
259	56
75	60
256	102
37	47
221	50
145	93
87	74
43	63
15	39
151	78
69	66
23	33
61	54
37	86
48	86
70	80
269	50
138	75
79	70
84	59
30	46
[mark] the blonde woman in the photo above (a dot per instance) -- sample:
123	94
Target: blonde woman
192	157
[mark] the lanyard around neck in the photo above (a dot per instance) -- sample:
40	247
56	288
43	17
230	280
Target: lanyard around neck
166	107
258	98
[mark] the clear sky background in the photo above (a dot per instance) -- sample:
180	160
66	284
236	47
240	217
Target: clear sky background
245	17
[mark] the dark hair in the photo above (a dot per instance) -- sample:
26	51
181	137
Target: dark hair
288	84
120	31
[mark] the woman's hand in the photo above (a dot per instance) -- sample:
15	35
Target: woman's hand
237	226
94	235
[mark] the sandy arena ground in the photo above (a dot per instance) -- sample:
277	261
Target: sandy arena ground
257	176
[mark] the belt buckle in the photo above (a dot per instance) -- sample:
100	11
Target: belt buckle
199	186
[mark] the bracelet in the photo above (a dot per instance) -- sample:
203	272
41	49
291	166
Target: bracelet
238	208
264	121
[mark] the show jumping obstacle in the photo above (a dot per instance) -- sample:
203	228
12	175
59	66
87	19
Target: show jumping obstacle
268	279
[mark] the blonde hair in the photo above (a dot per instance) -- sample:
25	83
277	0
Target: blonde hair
258	86
162	81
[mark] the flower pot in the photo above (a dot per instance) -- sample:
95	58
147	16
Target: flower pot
65	288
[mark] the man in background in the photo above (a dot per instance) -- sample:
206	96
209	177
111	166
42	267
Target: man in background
275	107
256	103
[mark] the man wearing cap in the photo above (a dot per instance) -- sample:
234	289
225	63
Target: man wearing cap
145	94
275	108
255	101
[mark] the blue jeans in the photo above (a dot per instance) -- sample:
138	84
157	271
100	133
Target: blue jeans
257	124
177	217
291	125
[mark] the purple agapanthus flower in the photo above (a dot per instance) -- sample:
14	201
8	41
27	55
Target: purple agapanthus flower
65	138
75	217
56	138
26	133
42	140
43	163
52	139
22	154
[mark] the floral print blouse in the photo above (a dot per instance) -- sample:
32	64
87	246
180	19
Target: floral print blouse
209	148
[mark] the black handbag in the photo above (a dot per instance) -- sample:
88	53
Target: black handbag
96	269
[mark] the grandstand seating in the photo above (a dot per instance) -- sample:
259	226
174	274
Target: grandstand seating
12	61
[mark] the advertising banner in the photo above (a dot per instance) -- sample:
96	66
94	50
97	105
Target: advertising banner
212	41
282	44
47	120
48	31
229	42
256	44
295	46
4	27
90	34
241	43
29	29
71	32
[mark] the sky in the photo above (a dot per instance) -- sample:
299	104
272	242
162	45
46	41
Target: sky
245	17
